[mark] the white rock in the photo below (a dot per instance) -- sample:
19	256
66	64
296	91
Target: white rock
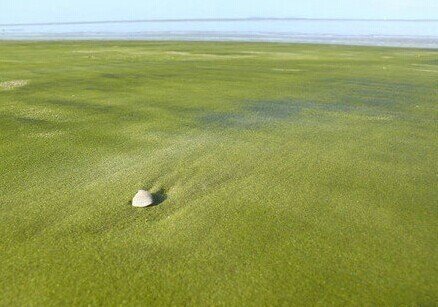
142	199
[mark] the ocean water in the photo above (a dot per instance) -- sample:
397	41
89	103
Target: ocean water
379	33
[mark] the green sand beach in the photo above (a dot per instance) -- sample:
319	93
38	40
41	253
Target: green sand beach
286	174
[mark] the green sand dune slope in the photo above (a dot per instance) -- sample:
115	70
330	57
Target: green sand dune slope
285	174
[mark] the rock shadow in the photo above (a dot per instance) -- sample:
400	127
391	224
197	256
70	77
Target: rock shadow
159	197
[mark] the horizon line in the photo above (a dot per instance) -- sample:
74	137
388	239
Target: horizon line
213	20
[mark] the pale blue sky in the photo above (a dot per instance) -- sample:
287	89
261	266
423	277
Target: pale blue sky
25	11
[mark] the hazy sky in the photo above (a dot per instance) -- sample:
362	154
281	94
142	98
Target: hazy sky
17	11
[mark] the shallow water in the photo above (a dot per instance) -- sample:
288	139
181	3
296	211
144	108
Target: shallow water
258	114
385	33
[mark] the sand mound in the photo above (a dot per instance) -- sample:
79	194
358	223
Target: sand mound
10	85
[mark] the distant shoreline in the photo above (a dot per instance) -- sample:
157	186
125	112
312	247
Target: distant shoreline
397	42
209	20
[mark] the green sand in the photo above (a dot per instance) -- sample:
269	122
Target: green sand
287	174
